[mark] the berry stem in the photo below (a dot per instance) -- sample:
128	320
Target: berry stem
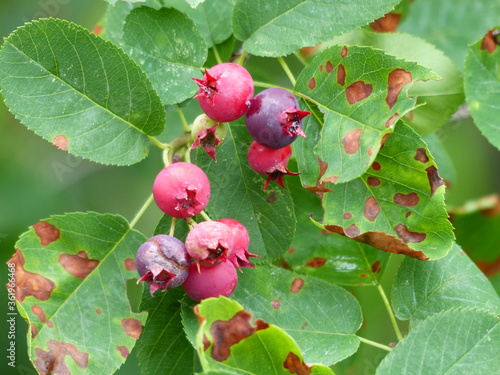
389	310
216	54
205	216
141	211
296	93
375	344
172	227
190	222
157	143
242	58
299	57
185	125
287	70
168	154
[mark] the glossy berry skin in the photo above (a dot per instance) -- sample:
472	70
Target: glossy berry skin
162	262
209	243
270	162
220	280
274	118
225	91
239	256
207	133
181	190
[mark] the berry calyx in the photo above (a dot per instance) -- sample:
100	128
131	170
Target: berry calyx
270	162
209	243
274	118
162	262
207	133
206	282
181	190
225	91
240	255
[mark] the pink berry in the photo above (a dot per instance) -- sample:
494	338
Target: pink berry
181	190
225	92
209	243
239	256
270	162
220	280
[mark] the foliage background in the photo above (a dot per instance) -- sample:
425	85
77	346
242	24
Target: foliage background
37	180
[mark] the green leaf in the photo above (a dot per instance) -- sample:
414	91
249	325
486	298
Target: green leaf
283	27
80	92
170	49
321	317
71	281
482	86
213	18
362	93
237	194
398	204
442	98
458	341
113	2
425	288
194	3
163	347
236	342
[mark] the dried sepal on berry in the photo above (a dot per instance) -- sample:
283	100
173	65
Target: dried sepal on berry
209	243
208	134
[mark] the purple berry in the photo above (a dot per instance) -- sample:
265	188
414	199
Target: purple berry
209	243
162	262
220	280
274	118
225	91
270	162
181	190
239	256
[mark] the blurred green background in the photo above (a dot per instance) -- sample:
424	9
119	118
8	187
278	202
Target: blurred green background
38	180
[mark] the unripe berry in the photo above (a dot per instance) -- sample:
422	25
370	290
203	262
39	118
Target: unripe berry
225	92
209	243
207	133
162	262
220	280
181	190
239	256
270	162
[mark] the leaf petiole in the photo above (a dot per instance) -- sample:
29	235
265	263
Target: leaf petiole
141	211
389	310
375	344
287	70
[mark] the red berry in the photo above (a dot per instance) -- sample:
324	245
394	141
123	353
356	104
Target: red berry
220	280
239	256
162	262
209	243
225	92
181	190
270	162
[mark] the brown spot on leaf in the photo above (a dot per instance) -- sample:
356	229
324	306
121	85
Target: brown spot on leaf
297	285
331	179
50	324
406	200
341	75
123	351
372	208
61	142
386	24
434	180
376	267
373	181
308	51
276	304
98	311
384	138
53	361
352	231
79	265
38	311
398	78
363	275
351	141
34	330
329	67
132	327
292	250
407	215
272	197
312	83
408	236
390	122
303	326
358	91
343	52
97	30
320	187
376	166
370	151
295	365
129	264
421	155
316	262
490	41
321	68
28	283
347	215
47	232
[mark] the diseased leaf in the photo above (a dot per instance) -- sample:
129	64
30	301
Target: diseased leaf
425	288
482	85
79	92
457	341
237	194
362	93
71	274
170	49
321	317
397	205
280	28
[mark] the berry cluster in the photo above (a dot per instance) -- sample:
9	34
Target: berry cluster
273	118
205	263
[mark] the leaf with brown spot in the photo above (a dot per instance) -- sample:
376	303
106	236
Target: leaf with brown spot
421	155
379	202
316	262
386	24
355	114
56	279
295	365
